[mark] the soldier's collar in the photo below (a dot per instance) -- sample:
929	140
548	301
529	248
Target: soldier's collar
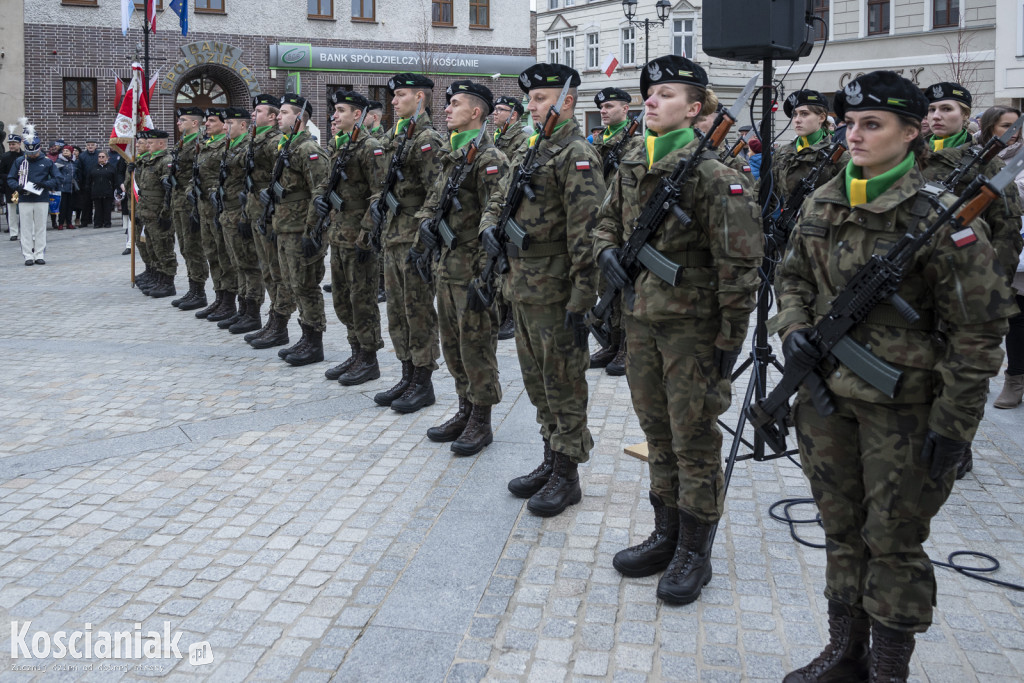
190	138
260	130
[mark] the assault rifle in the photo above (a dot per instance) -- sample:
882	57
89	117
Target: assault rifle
734	151
195	193
504	129
613	158
173	180
482	290
222	174
275	192
388	201
449	200
876	281
979	156
637	253
337	174
250	164
786	221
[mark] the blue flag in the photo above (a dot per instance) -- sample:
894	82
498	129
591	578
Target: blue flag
180	7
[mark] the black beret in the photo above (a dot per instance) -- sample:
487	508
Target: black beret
191	111
948	91
408	80
237	113
882	91
13	138
350	97
217	112
297	101
143	135
671	69
548	76
612	95
513	104
374	104
157	134
481	92
803	98
266	99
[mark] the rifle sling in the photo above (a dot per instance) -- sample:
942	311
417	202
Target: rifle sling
462	238
295	197
537	250
886	316
690	259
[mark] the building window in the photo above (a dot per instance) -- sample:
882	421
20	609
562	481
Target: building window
821	10
320	9
480	13
142	5
594	50
629	45
946	13
552	4
442	12
203	92
569	51
878	17
568	3
682	37
364	10
210	6
553	51
80	95
85	3
1020	27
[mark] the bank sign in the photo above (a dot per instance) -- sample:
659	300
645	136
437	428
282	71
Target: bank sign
306	57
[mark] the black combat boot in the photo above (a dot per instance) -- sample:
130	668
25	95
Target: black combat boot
385	398
312	352
277	334
235	316
250	319
966	463
364	370
508	325
454	426
340	369
655	553
617	368
846	656
477	435
561	491
253	336
528	484
226	310
606	354
419	393
690	569
163	288
297	346
196	292
218	300
188	295
890	654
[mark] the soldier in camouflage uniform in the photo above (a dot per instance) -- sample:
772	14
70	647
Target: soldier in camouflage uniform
469	337
187	230
683	341
354	266
302	265
134	171
879	467
412	320
154	216
551	287
513	143
373	123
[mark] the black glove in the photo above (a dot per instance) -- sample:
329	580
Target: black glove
164	223
427	236
574	322
245	229
362	255
309	249
166	182
413	256
941	454
322	206
375	212
265	197
725	361
800	350
491	243
614	273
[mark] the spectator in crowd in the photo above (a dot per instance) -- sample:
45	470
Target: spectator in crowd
33	176
68	188
89	159
53	154
102	182
755	157
6	161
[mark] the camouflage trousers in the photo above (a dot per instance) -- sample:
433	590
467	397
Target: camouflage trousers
412	319
354	295
615	312
242	252
876	502
554	372
302	276
678	396
469	341
215	250
161	245
190	244
141	238
282	301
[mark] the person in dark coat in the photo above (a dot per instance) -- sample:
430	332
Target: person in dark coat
102	181
68	187
89	159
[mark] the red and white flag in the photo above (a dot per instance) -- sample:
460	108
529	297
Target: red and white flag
132	117
610	64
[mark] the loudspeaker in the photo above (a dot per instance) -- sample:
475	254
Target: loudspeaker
754	30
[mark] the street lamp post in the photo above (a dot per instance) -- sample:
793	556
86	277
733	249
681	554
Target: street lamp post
629	9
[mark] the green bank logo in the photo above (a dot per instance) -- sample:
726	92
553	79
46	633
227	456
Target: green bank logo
294	55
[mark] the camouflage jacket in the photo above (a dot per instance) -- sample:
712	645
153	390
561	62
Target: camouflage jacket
725	238
365	168
307	168
1002	217
149	175
569	189
209	166
602	146
183	173
789	166
742	166
420	166
264	158
234	184
513	143
954	289
468	259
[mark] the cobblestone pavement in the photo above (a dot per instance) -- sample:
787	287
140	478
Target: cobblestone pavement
156	469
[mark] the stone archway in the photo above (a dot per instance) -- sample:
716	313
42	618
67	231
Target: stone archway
210	85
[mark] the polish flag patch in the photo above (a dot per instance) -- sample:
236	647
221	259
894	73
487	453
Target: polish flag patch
964	237
735	189
378	152
491	170
746	169
426	148
314	157
582	165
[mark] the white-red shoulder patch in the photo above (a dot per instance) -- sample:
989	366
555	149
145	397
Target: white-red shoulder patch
491	170
582	165
746	169
964	237
378	152
735	188
426	148
314	157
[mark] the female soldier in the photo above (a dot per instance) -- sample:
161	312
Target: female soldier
807	111
880	468
683	341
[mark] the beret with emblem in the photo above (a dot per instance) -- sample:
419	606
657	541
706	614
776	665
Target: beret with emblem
215	112
237	113
948	91
881	91
374	104
510	102
297	101
548	76
409	81
671	69
612	95
157	134
191	111
802	98
143	135
13	138
266	99
351	98
482	93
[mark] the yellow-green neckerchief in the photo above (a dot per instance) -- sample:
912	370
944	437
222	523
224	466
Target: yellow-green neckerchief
536	136
950	142
237	141
216	138
189	139
400	126
613	130
285	136
463	138
140	156
860	191
804	141
260	130
659	145
340	140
